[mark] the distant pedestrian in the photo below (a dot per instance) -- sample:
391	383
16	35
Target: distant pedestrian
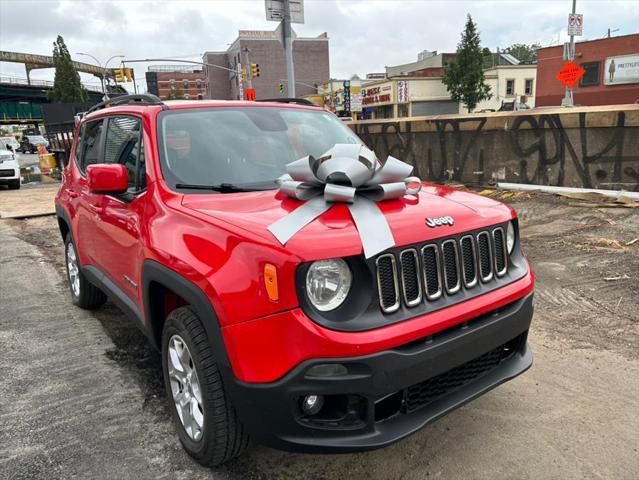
611	71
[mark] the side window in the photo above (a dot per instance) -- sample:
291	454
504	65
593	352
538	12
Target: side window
91	135
123	145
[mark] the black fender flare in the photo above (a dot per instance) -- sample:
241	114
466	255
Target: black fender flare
153	271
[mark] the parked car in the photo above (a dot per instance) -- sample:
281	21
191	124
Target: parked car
29	143
9	169
308	346
9	142
513	106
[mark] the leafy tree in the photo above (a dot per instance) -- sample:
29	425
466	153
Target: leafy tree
176	94
464	78
523	52
66	84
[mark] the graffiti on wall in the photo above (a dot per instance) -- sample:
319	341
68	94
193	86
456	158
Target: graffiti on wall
535	149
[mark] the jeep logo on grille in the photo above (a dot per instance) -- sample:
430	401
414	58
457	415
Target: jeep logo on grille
436	222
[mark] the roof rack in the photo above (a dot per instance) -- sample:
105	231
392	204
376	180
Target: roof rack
140	99
296	101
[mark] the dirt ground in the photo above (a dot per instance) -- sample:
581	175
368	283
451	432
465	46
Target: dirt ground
573	415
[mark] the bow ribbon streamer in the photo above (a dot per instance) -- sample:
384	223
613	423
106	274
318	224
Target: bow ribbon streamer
350	174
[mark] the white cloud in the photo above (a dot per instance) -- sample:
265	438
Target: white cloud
364	35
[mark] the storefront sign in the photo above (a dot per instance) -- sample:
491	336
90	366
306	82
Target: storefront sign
621	69
402	91
377	95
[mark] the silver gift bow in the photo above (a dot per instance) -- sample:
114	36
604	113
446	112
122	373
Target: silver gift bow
351	174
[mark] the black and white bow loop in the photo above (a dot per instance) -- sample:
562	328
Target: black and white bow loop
351	174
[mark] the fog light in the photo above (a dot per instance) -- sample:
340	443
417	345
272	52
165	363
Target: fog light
312	404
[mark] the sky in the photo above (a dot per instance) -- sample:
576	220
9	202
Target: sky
365	35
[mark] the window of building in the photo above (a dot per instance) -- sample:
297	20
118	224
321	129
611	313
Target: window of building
185	83
402	110
198	83
123	146
528	89
172	84
200	96
187	96
591	77
510	87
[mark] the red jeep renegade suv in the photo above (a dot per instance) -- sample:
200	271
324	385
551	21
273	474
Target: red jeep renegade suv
164	208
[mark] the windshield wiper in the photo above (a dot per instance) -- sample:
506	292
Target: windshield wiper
222	187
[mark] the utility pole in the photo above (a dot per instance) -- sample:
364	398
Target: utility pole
288	45
568	100
249	72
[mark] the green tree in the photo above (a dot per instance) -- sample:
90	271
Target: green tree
464	78
523	52
176	94
66	84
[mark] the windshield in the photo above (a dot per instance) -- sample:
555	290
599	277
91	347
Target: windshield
247	146
36	138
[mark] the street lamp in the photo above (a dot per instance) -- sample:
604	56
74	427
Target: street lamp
104	69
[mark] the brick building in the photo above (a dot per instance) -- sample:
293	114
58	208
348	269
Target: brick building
604	83
310	57
183	80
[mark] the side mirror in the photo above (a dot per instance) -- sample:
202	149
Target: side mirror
108	178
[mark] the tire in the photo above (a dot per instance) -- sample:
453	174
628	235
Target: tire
14	184
83	293
221	436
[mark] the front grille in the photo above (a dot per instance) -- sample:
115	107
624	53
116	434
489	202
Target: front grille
7	173
423	393
425	273
387	283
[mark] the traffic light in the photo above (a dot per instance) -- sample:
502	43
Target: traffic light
281	89
119	75
128	73
244	79
255	70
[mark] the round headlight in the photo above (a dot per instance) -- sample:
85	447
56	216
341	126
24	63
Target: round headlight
510	237
328	283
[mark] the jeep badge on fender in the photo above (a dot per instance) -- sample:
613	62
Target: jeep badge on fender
436	222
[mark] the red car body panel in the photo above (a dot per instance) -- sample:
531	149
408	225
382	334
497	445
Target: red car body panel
220	244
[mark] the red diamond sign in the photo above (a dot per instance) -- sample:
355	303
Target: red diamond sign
570	74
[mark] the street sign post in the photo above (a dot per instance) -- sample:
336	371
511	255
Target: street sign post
576	24
570	74
288	11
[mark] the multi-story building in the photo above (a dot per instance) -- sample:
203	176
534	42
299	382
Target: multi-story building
176	81
264	48
612	72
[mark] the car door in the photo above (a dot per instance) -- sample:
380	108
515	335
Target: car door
117	247
89	151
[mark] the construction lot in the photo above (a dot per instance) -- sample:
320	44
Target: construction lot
82	394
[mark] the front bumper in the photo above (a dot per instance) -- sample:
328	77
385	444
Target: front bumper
393	393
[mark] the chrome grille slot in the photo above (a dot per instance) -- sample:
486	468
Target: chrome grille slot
501	263
430	259
451	266
411	283
387	283
485	257
469	261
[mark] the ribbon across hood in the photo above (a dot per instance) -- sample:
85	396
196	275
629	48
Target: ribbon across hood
351	174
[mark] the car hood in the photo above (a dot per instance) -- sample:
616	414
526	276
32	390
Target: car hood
333	234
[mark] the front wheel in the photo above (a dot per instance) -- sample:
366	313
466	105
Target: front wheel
83	293
206	422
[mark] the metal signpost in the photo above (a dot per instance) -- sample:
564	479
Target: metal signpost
575	28
286	11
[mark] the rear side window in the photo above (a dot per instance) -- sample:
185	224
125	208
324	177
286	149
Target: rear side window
89	148
123	145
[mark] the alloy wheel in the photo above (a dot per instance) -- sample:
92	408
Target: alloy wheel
73	269
185	386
